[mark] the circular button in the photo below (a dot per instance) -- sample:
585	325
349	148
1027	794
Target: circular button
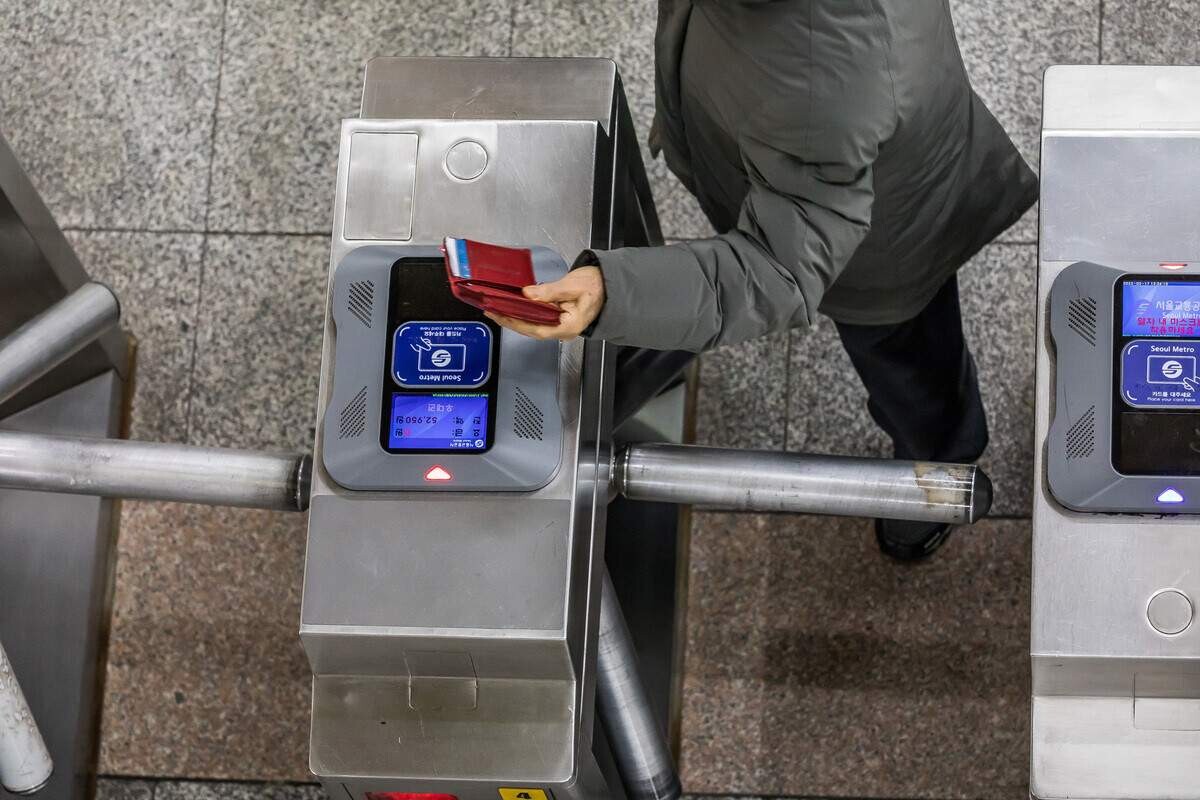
1170	612
466	160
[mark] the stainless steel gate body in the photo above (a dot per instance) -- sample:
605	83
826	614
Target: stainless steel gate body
452	634
55	552
1115	652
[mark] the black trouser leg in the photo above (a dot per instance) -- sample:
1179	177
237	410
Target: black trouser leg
921	379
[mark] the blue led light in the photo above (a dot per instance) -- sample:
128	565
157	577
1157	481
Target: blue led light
1170	495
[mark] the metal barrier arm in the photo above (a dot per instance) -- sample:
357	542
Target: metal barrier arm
797	483
638	744
708	477
154	471
55	335
25	764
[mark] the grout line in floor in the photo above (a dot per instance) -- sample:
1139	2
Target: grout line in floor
787	388
155	782
212	157
512	26
214	118
187	231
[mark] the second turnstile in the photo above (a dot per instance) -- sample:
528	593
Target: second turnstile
1116	540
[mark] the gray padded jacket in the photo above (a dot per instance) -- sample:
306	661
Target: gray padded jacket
841	150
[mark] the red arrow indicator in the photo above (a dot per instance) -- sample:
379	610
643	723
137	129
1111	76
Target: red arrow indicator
438	473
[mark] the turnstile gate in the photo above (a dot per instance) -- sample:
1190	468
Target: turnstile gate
466	658
55	553
1116	543
461	625
463	661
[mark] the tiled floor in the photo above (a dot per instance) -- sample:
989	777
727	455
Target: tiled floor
189	148
818	667
139	789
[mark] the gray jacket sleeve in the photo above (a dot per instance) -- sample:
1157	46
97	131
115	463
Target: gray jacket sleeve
807	209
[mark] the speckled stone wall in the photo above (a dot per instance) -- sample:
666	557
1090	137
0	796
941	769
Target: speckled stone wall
189	148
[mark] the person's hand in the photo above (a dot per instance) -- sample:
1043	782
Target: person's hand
579	296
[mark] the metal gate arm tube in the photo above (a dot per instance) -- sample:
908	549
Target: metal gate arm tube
742	480
25	764
55	335
155	471
639	747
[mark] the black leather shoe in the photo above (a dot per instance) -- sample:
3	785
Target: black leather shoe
910	541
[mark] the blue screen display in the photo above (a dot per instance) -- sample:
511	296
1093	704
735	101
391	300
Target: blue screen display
442	355
438	422
1161	373
1160	308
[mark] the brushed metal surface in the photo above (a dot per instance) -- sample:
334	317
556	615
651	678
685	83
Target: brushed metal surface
154	471
490	89
744	480
1111	98
381	178
1099	209
466	160
537	189
494	569
366	726
1095	656
1170	612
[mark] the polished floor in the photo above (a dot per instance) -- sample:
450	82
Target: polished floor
188	147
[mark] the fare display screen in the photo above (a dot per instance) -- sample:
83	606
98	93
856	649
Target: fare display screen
1157	376
1160	308
438	422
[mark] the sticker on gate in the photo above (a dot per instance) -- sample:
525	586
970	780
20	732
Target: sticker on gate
523	794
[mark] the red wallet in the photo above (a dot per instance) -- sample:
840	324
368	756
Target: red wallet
490	277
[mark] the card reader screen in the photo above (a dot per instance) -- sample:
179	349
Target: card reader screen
1156	386
1160	308
442	366
440	422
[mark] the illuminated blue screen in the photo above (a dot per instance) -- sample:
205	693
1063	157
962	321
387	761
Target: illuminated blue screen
1160	308
438	422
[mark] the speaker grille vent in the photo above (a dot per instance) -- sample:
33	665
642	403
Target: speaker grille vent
528	420
1081	318
1081	438
353	420
362	301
